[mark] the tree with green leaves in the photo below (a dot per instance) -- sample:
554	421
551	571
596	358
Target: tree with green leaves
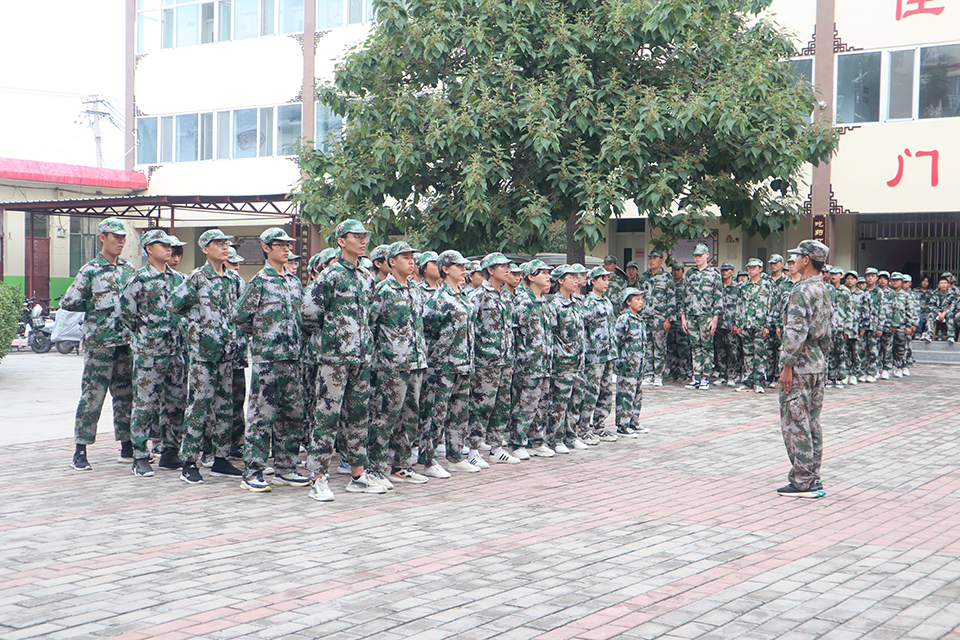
481	124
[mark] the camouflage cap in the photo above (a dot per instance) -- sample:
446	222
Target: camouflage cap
292	256
775	258
233	257
610	258
559	272
676	264
111	225
494	259
274	234
516	268
814	249
451	257
896	275
656	253
313	261
836	270
700	250
791	257
349	226
379	252
155	235
861	279
176	242
755	262
395	249
851	272
533	266
884	274
634	264
210	235
827	268
727	266
947	274
365	262
597	272
473	266
627	293
425	257
576	267
328	254
871	271
907	277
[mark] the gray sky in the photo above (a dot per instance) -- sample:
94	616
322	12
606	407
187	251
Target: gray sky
54	53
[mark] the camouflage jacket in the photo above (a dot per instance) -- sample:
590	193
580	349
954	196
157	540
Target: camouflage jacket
731	295
939	302
269	312
492	330
848	322
924	297
702	293
157	332
530	336
336	307
631	343
859	310
567	334
898	308
836	318
206	300
873	299
911	309
96	292
781	290
448	328
396	322
806	332
757	302
661	297
600	341
617	284
889	314
310	345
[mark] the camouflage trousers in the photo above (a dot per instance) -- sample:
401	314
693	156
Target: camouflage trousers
629	399
772	368
157	403
851	356
489	405
654	359
274	415
309	371
800	424
395	417
934	328
209	409
239	395
342	401
530	412
910	361
836	365
754	357
444	409
107	368
598	392
869	353
563	412
898	348
701	345
886	350
677	358
728	354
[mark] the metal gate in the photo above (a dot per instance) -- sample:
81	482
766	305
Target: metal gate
939	235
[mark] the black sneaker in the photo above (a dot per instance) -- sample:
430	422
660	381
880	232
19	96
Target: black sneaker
169	461
126	452
223	469
791	491
236	453
80	461
190	474
141	468
254	482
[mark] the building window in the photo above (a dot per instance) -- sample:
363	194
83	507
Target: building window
940	81
186	23
245	133
337	13
858	87
147	140
289	126
223	135
166	139
187	138
290	16
83	242
329	125
900	84
206	136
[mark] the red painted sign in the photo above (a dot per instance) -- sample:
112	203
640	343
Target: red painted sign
904	10
934	166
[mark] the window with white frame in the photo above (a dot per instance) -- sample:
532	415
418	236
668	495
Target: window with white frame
802	69
337	13
939	91
858	87
329	126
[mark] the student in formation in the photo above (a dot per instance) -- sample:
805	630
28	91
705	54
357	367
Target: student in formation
429	272
600	356
530	364
754	307
567	366
631	345
659	311
239	387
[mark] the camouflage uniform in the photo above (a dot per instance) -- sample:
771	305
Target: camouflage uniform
600	355
836	327
660	305
728	344
336	308
566	370
939	302
851	333
870	346
269	312
107	361
631	336
399	364
754	307
780	293
158	358
890	319
902	318
531	369
444	406
702	293
492	365
806	339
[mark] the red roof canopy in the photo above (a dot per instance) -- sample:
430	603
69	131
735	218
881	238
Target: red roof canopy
56	173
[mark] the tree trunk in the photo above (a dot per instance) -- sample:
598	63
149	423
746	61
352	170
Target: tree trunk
575	249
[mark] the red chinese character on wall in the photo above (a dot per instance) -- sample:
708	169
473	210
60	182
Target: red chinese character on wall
934	168
921	7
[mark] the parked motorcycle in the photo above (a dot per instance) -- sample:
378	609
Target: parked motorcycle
67	332
39	330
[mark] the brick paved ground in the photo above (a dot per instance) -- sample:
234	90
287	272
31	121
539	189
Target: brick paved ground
678	535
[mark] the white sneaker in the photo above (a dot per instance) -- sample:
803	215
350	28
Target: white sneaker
408	475
442	449
731	383
862	378
479	462
364	484
579	444
269	471
839	384
608	436
742	388
852	380
343	468
542	451
658	381
759	389
485	447
884	375
641	430
561	448
647	381
906	371
898	373
504	458
320	491
206	461
521	454
436	471
463	466
591	439
377	477
871	378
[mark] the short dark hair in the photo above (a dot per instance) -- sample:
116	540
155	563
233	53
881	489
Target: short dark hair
942	278
817	264
176	251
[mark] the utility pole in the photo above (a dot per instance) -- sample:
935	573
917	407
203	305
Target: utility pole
94	113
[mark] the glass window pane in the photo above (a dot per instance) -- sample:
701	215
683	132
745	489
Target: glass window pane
858	88
289	118
166	139
329	14
146	140
187	138
148	31
246	19
266	18
266	131
167	28
225	20
940	81
223	135
147	4
291	16
356	11
245	133
329	125
207	23
206	136
188	25
901	84
802	70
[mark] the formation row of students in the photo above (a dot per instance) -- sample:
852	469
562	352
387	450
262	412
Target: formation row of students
370	365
